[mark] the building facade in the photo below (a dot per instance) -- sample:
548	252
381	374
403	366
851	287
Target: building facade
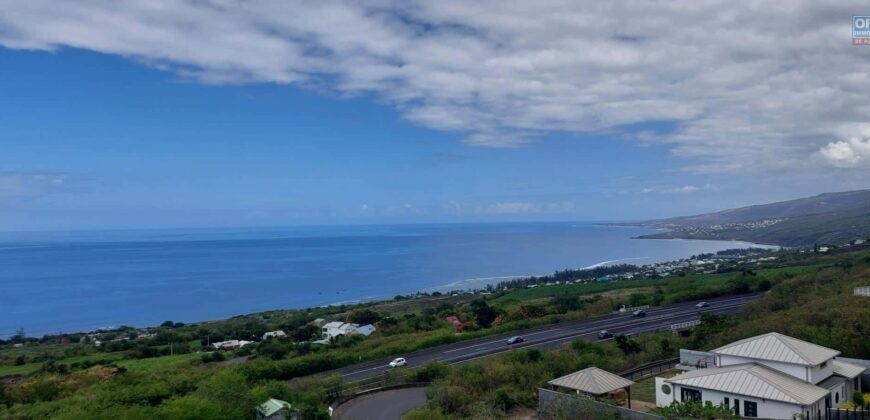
768	376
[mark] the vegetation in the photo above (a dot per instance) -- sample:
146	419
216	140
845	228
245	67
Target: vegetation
696	410
164	372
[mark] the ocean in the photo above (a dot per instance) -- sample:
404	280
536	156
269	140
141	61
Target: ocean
80	281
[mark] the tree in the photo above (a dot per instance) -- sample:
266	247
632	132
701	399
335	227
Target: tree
483	313
625	344
365	316
565	303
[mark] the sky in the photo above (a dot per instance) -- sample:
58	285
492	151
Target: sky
218	113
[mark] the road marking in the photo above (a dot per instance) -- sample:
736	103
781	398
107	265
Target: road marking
501	341
592	325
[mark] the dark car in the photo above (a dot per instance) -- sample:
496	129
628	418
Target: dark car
515	340
639	313
605	334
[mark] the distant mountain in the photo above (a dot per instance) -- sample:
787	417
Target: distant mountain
830	218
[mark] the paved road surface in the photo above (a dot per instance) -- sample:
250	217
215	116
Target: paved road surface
552	336
387	405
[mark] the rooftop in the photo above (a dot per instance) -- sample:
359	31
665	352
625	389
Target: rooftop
592	380
752	379
273	406
779	348
847	370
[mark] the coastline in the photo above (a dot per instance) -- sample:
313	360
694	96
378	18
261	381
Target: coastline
350	296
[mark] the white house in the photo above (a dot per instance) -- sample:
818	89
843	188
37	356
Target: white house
769	376
230	345
337	328
276	334
365	330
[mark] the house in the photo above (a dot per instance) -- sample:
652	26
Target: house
769	376
275	409
596	382
230	345
319	322
276	334
456	323
337	328
365	330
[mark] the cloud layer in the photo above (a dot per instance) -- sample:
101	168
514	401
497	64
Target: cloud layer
30	184
747	86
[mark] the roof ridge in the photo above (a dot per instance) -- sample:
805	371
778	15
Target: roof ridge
764	369
788	342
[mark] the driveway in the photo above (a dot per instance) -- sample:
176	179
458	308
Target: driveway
387	405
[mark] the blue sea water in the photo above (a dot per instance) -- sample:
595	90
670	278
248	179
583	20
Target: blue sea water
78	281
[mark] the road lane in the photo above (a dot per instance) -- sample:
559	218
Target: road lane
553	336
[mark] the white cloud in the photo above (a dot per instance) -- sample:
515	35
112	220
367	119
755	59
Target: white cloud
523	207
28	184
685	189
749	85
847	154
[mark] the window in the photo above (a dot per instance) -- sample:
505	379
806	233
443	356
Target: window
688	394
837	397
736	406
823	365
726	402
750	409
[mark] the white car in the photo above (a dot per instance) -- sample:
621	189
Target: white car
399	361
702	305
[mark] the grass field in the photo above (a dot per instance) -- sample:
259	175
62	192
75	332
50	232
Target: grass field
29	368
645	390
157	362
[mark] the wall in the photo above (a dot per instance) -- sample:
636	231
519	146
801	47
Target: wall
865	377
818	374
797	371
766	408
558	405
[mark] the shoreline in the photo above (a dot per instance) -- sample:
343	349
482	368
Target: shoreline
464	285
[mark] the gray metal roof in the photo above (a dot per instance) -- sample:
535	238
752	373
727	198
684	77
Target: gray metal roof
847	369
592	380
754	380
779	348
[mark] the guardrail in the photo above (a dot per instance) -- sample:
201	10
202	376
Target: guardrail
685	325
648	369
632	309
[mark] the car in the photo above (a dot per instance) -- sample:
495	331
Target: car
515	340
397	362
639	313
702	305
604	334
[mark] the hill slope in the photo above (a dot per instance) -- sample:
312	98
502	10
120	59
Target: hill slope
830	218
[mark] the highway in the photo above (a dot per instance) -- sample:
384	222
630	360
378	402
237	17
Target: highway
555	335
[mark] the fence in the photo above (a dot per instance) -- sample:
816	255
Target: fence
696	359
558	405
862	413
632	309
649	369
685	325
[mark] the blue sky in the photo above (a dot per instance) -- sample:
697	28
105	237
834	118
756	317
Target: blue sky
98	136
